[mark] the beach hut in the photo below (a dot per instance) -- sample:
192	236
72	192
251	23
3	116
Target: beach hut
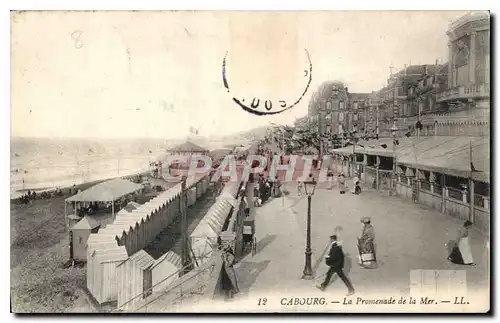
165	270
102	282
204	237
72	219
79	234
134	279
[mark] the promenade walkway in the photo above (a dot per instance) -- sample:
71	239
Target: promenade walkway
408	237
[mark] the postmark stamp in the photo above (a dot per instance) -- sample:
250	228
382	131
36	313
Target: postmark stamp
261	106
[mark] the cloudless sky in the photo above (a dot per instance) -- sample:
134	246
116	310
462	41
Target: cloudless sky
156	74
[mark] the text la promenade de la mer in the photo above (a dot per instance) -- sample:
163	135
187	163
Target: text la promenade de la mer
233	169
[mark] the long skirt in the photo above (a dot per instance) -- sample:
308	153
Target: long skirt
464	247
461	253
366	254
329	183
455	256
342	188
229	283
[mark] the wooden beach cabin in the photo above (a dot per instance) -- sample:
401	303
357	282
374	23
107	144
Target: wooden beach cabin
108	192
134	278
79	234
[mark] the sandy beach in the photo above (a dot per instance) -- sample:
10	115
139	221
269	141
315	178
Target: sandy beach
39	248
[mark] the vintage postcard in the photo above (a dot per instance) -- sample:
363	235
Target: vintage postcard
250	162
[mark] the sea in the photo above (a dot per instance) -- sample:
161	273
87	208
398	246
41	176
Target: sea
45	163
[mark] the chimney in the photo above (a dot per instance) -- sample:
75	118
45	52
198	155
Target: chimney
425	69
437	61
406	66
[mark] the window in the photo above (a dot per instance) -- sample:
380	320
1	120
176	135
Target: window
463	75
80	240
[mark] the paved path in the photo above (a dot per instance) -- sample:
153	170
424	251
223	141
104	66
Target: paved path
408	236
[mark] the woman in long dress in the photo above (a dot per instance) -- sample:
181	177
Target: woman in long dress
341	181
461	252
228	279
329	178
366	245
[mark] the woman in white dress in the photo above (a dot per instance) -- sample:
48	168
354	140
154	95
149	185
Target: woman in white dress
341	182
329	178
461	253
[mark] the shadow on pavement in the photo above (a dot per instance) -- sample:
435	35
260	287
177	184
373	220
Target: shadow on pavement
247	274
262	243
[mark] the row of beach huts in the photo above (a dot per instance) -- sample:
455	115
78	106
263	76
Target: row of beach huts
120	270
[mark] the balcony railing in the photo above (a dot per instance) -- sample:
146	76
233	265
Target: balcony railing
465	92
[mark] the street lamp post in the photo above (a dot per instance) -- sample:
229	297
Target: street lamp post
310	187
394	130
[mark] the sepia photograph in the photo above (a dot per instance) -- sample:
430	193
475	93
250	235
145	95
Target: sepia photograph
198	161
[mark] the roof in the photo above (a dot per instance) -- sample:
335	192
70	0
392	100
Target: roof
448	154
358	96
370	147
107	191
211	225
131	206
445	154
171	257
142	259
111	255
87	223
419	69
188	146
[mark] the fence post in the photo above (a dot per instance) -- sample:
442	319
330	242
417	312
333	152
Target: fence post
471	201
464	196
486	203
444	193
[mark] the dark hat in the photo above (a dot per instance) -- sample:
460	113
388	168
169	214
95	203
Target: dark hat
333	236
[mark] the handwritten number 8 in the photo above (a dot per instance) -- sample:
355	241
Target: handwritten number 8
76	37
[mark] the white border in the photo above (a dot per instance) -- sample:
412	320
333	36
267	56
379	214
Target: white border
183	5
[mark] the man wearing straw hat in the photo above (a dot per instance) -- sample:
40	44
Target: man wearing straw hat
366	245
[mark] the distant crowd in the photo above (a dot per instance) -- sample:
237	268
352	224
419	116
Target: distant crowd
30	196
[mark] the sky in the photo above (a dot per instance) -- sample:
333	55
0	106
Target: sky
158	74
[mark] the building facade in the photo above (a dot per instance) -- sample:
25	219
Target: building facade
432	123
465	105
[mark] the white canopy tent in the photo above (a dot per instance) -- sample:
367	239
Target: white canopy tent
108	191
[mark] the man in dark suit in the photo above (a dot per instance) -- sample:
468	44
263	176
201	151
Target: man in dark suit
335	260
